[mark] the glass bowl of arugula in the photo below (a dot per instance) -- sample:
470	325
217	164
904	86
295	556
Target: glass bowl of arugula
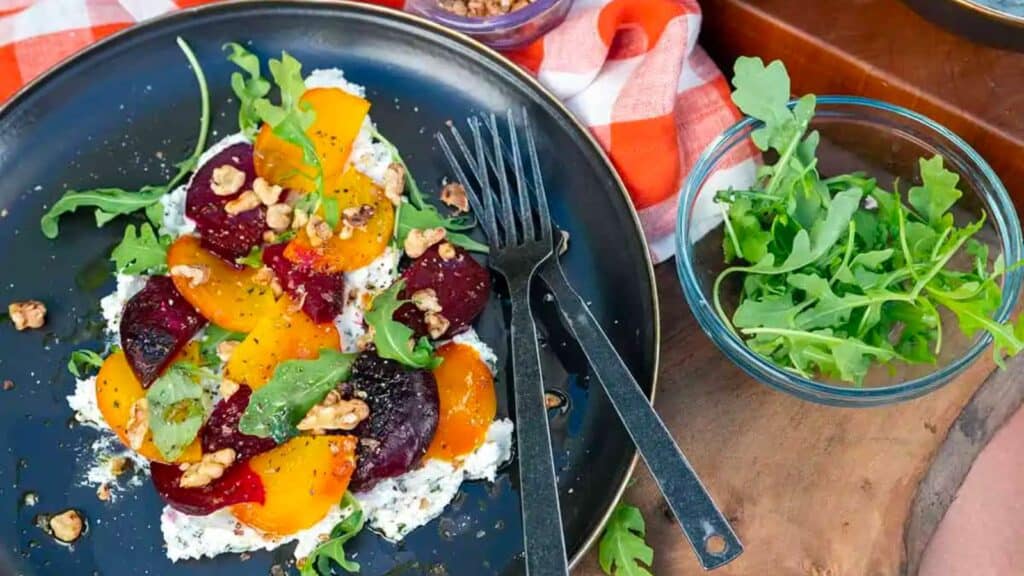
865	255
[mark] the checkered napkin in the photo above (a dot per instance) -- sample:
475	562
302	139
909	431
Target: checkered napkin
629	69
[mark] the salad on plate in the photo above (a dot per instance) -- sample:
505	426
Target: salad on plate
291	351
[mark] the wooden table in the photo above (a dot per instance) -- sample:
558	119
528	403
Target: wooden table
813	490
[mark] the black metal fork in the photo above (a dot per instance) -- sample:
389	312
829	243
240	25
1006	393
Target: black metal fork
519	246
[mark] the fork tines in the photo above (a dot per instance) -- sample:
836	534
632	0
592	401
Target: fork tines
496	210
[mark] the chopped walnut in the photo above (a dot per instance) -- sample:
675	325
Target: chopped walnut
269	237
8	385
246	201
138	423
225	349
196	274
228	387
27	315
446	251
269	194
67	526
211	467
275	287
366	339
346	231
103	492
419	241
437	325
454	195
118	465
279	217
552	400
318	231
394	183
358	217
426	300
299	219
333	413
227	180
483	8
264	276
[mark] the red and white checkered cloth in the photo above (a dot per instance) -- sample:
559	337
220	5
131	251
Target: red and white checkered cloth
630	69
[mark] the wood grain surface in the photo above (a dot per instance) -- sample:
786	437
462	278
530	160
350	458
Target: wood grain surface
812	490
883	49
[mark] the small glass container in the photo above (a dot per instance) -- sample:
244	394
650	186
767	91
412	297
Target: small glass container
503	32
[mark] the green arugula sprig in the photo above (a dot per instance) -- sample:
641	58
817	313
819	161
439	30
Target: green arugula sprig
296	386
110	203
622	551
142	252
319	563
178	406
247	90
82	361
839	274
393	339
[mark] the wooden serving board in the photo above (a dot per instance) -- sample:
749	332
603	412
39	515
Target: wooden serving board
811	490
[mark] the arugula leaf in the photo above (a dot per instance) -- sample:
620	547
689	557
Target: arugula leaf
296	386
622	551
110	203
254	259
247	90
83	360
142	252
937	194
333	550
212	336
178	405
393	339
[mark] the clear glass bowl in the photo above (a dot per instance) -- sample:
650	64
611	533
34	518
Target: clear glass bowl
885	141
505	32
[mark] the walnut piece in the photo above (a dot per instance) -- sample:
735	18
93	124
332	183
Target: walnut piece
264	276
333	413
318	231
446	251
225	349
279	217
269	194
358	217
210	468
437	325
228	387
67	526
227	180
246	201
394	183
138	423
103	492
419	241
366	339
454	195
118	465
299	219
196	274
27	315
426	300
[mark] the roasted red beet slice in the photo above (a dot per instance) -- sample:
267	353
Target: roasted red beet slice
322	295
228	236
156	323
462	286
221	429
239	484
403	418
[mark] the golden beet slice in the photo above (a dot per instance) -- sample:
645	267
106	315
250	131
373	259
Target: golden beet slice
117	389
339	115
351	190
465	388
286	333
230	297
302	480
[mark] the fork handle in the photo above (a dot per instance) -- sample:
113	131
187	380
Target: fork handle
544	541
708	531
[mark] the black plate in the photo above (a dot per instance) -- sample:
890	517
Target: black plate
108	116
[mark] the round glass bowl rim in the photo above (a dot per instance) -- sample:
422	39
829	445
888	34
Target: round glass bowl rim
486	24
1004	218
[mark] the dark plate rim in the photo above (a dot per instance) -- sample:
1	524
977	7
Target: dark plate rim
350	5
